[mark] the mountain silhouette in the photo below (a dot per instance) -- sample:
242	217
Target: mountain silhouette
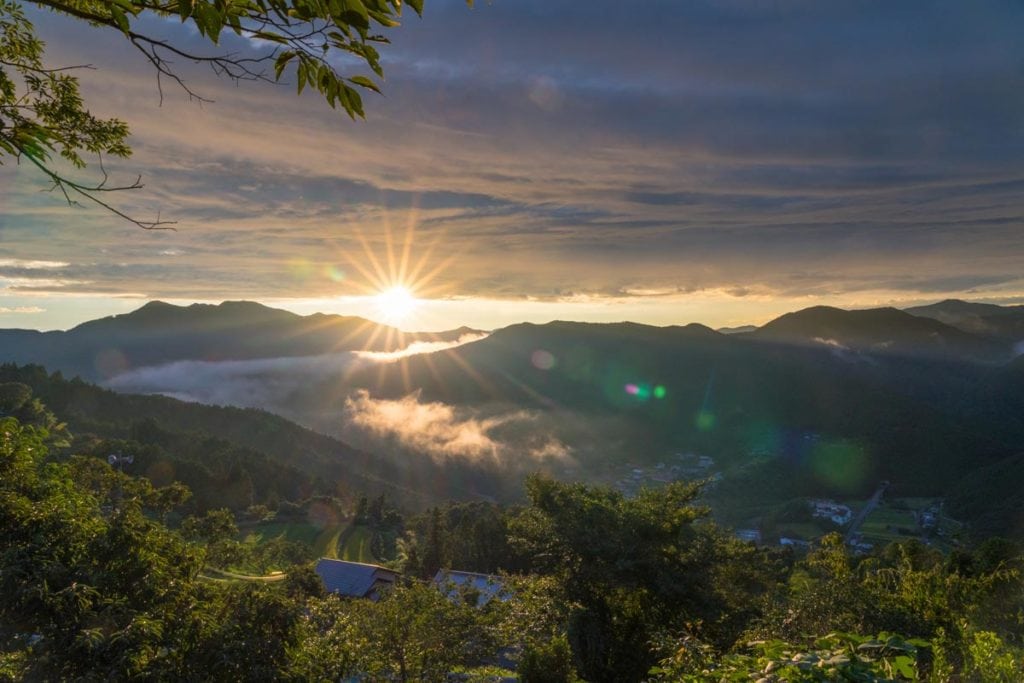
159	332
881	331
1003	322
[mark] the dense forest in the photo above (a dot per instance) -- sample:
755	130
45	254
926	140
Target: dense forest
111	576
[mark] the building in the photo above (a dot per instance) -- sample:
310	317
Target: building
829	509
486	587
354	579
752	535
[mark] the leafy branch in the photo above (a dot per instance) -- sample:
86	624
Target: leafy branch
41	111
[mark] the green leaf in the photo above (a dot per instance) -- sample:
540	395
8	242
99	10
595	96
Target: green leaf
364	82
354	13
281	62
119	17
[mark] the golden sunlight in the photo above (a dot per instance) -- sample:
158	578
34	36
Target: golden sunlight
396	304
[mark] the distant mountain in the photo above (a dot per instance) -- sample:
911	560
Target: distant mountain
881	331
742	329
817	402
234	330
741	398
1003	322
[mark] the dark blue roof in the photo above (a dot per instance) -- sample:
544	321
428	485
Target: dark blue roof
352	579
487	586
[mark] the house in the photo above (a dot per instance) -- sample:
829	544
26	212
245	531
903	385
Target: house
486	587
753	535
354	579
829	509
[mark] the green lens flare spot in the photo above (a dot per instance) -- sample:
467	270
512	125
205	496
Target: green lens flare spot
840	464
705	421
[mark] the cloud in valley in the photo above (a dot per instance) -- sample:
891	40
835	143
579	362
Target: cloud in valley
268	383
418	347
444	431
263	383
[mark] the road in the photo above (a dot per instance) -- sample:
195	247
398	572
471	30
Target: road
868	508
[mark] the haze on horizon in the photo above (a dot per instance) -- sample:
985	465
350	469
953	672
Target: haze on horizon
724	164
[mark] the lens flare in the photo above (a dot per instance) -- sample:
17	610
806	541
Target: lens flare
542	360
841	464
396	304
705	421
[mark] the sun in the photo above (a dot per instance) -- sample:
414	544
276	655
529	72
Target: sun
396	304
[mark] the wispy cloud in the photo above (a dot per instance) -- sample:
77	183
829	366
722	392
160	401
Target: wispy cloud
21	310
23	264
262	383
724	147
419	347
444	431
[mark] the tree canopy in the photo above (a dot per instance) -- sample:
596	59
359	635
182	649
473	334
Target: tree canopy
323	44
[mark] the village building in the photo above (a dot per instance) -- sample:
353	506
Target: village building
354	579
831	510
753	535
486	587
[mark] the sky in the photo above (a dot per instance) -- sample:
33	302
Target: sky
664	162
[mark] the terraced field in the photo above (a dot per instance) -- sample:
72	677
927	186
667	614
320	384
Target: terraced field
301	532
343	541
356	545
326	543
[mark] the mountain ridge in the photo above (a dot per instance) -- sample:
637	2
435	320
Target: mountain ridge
159	332
886	330
1004	322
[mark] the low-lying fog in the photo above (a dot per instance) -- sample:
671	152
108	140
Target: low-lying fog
492	434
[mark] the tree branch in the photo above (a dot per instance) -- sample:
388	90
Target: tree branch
65	184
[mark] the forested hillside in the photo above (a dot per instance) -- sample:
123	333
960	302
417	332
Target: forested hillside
761	404
249	452
98	585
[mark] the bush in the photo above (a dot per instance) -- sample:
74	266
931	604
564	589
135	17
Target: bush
547	663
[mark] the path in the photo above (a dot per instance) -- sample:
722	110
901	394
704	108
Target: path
222	575
868	508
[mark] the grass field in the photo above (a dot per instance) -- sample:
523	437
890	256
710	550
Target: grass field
301	532
356	545
337	541
326	544
805	530
883	525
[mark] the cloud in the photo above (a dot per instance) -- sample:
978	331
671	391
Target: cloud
263	383
274	384
418	347
444	431
724	145
22	309
22	264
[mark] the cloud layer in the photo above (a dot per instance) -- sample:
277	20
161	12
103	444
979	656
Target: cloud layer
274	384
789	149
444	431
